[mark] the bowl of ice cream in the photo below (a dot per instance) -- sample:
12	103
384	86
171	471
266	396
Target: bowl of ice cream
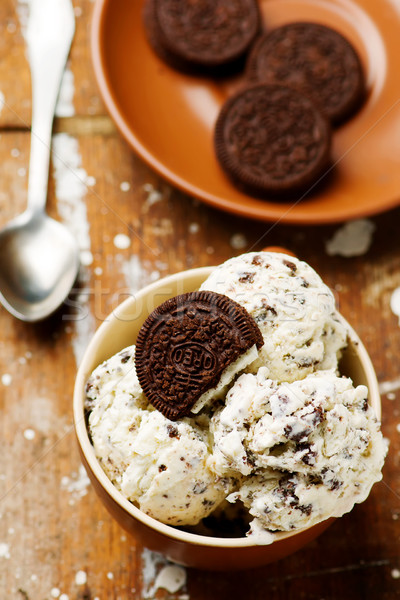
263	461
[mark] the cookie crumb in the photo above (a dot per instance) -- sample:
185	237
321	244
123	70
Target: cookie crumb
395	573
122	241
171	578
125	186
6	379
80	578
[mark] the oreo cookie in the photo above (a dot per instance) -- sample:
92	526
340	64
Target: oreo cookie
272	140
186	343
201	34
314	59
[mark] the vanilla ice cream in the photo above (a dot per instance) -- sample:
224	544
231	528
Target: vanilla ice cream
309	449
291	305
160	465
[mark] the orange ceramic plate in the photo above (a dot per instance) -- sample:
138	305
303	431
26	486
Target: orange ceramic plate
168	118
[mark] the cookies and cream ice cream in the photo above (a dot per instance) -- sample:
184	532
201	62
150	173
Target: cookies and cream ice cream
284	434
162	466
308	449
291	305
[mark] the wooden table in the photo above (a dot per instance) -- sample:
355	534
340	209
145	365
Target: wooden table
56	539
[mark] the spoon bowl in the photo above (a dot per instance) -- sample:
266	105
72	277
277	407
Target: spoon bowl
39	261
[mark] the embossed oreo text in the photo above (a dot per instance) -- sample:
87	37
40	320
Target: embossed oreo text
192	358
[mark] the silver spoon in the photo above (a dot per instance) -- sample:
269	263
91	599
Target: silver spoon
39	257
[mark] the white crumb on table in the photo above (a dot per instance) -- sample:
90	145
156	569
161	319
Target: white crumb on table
157	570
122	241
352	239
171	578
80	578
153	196
238	241
4	550
6	379
29	434
395	573
386	387
194	228
77	484
86	258
395	302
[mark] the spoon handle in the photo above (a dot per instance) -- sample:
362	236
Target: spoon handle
50	32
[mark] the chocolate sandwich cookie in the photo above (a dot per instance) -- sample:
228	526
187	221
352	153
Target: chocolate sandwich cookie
201	34
186	343
316	60
272	140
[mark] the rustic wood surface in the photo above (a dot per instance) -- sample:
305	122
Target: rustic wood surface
56	539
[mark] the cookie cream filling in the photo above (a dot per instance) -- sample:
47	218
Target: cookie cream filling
227	377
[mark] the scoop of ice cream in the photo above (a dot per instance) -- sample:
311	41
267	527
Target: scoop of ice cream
293	308
309	449
162	466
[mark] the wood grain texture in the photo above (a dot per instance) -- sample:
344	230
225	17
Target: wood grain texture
15	82
54	533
